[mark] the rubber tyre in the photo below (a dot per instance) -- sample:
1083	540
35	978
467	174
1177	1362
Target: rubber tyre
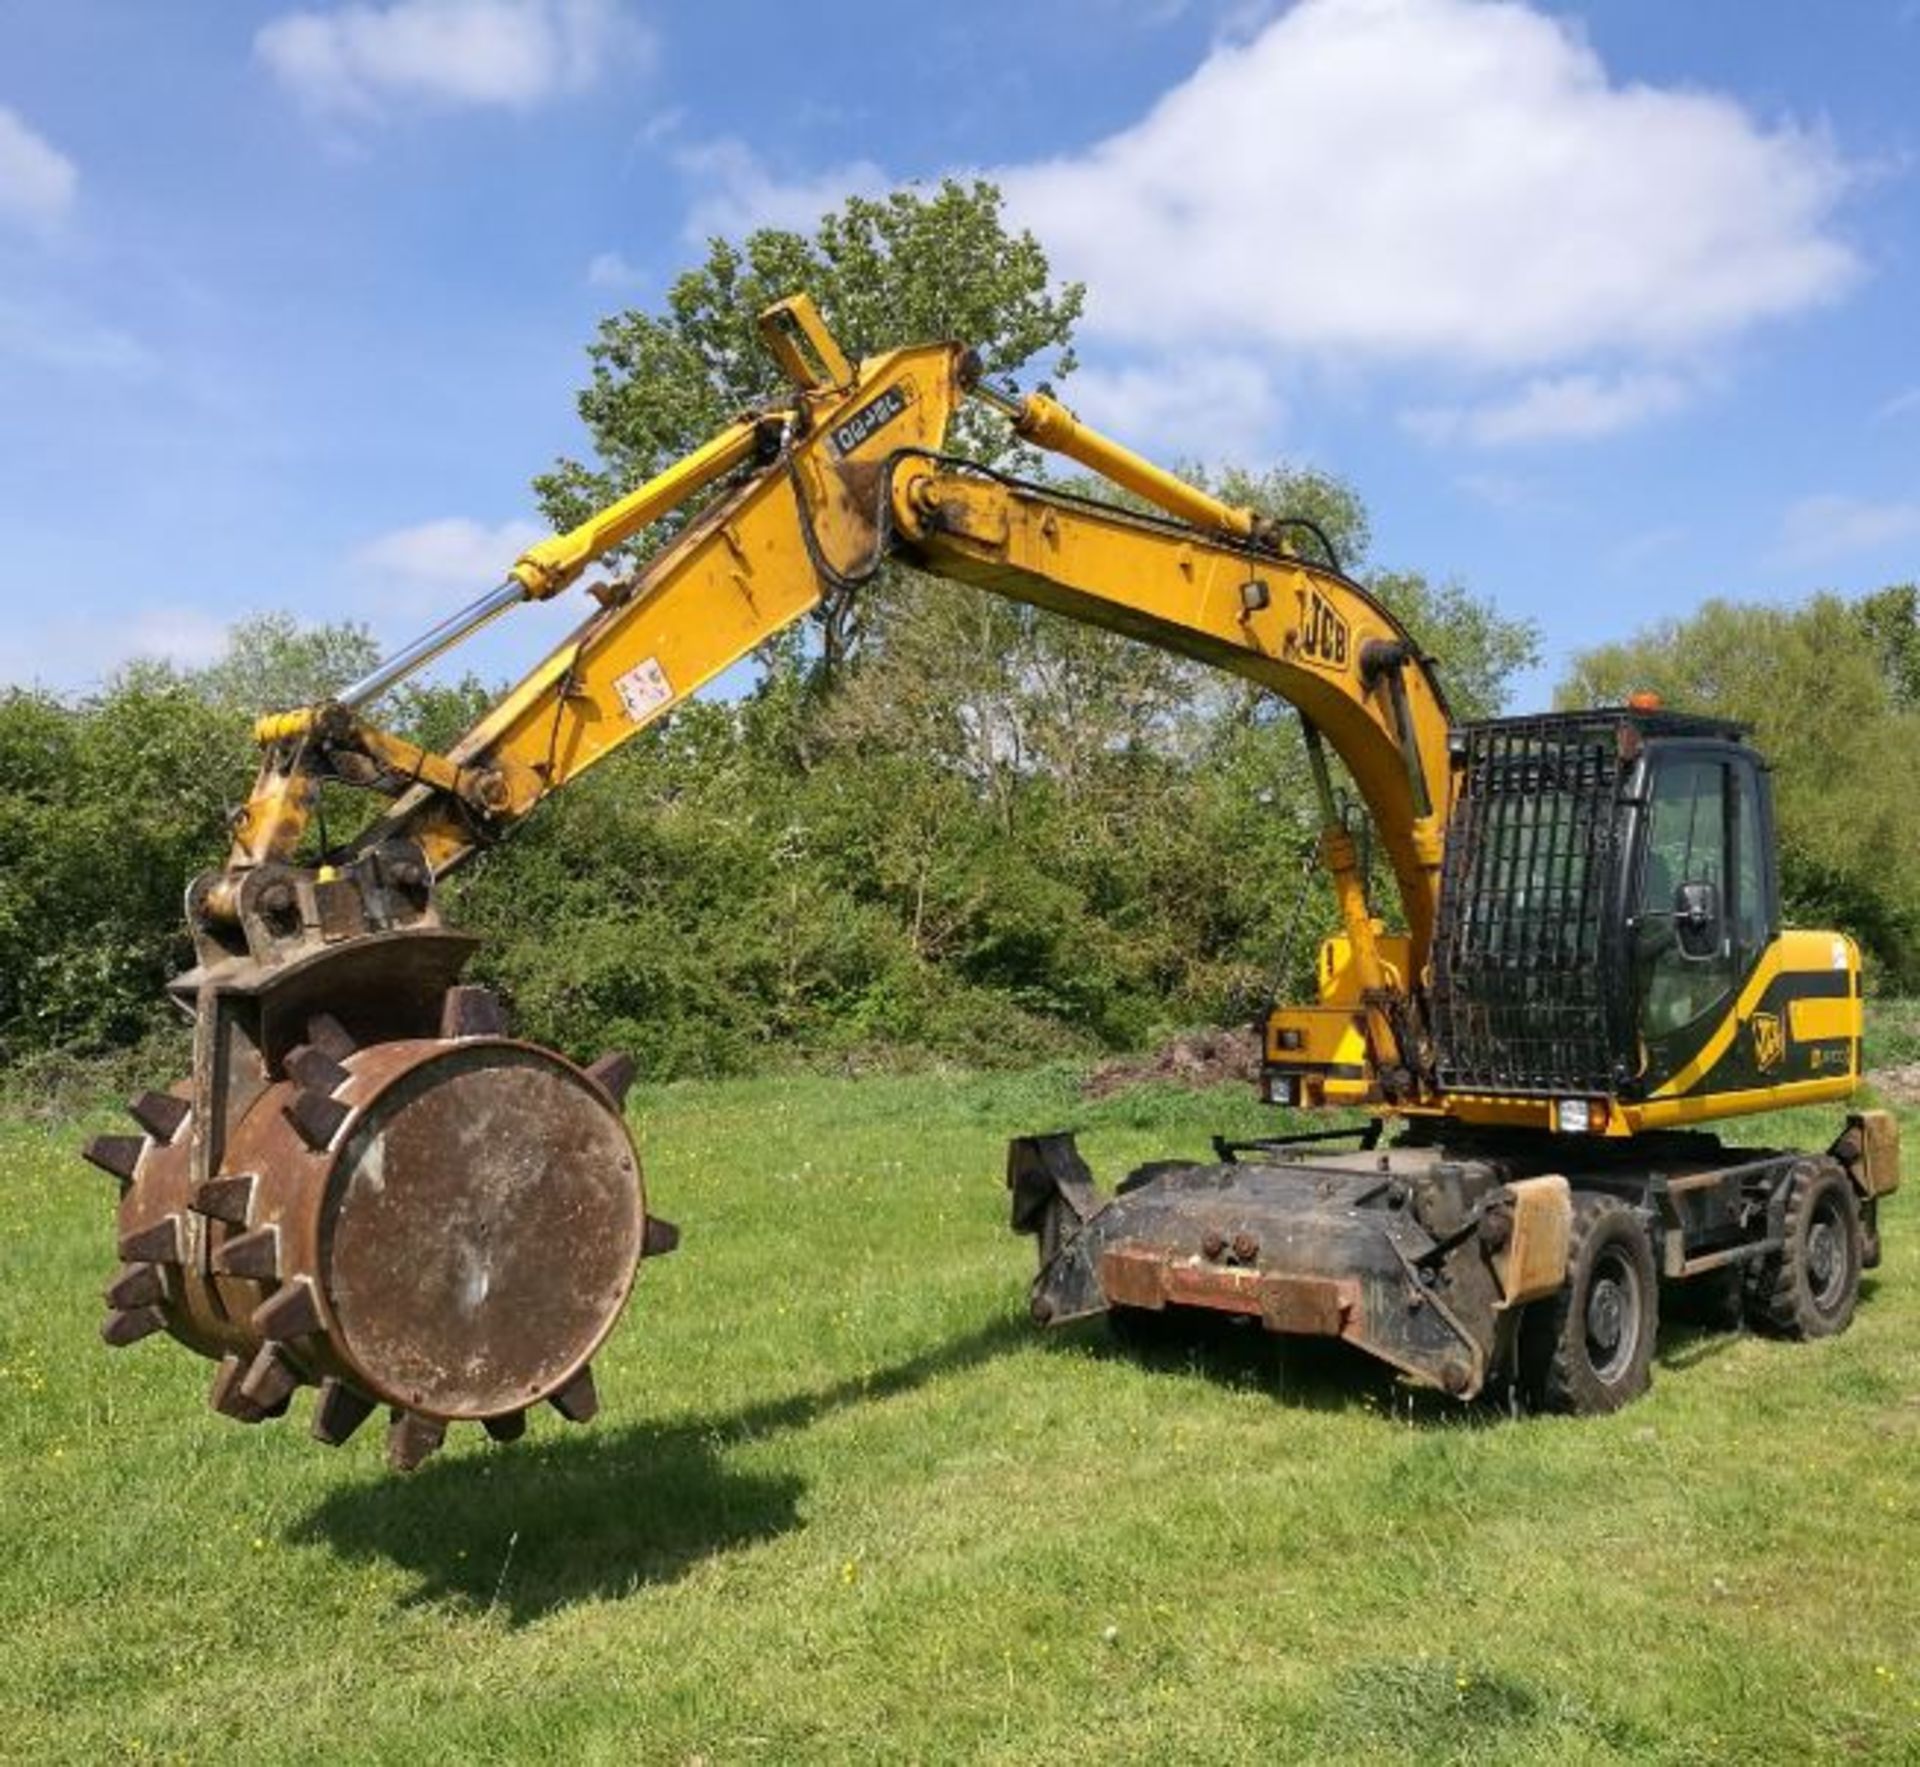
1588	1350
1811	1285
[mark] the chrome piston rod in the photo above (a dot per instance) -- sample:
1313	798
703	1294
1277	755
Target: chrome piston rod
441	639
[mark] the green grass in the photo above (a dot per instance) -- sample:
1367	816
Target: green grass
845	1504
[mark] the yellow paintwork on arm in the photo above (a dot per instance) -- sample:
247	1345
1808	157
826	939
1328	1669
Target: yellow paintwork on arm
1292	627
858	479
740	574
1052	426
547	568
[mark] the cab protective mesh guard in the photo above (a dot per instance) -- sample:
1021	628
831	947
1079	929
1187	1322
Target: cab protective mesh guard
1525	949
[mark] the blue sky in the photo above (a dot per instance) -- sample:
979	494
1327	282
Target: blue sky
1604	309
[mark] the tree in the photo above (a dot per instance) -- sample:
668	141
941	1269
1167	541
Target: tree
109	803
1830	712
1891	618
897	269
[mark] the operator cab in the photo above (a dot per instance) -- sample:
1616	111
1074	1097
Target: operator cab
1610	925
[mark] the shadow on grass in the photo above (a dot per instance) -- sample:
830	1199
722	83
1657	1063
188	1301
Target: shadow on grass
530	1528
1309	1374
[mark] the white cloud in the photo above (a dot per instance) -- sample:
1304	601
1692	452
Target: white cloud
1439	178
1208	407
1555	408
734	192
452	553
612	270
1833	525
1902	404
1414	185
37	180
516	54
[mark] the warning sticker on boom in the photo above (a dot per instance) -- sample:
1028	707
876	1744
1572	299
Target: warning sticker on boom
643	690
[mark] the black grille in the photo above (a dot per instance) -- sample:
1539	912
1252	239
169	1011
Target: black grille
1525	951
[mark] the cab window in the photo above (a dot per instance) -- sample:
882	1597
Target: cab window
1684	934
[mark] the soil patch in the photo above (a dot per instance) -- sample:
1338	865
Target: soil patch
1196	1059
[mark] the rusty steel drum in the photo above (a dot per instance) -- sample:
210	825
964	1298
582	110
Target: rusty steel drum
448	1226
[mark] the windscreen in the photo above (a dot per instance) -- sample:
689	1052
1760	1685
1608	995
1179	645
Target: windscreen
1522	997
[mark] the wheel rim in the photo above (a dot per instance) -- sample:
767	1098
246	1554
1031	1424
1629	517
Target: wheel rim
1829	1254
1613	1314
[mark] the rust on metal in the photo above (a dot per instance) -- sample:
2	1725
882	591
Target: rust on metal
270	1378
226	1397
228	1199
339	1412
368	1189
160	1114
317	1115
411	1437
290	1312
157	1242
578	1400
473	1011
116	1155
126	1326
659	1238
255	1255
138	1285
613	1073
314	1069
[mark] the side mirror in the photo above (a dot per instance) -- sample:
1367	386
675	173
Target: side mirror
1696	920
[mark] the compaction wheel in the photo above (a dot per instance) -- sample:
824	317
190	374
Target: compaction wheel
447	1225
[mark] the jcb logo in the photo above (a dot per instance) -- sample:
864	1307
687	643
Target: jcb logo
1769	1042
1324	638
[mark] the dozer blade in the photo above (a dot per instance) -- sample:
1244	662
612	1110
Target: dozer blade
369	1187
1392	1252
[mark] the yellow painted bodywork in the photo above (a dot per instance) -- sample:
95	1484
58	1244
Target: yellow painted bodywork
1327	1049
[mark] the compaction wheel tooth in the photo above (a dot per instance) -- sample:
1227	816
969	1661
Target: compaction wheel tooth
160	1114
116	1155
255	1255
129	1325
270	1379
339	1413
315	1070
226	1397
472	1011
577	1401
328	1035
138	1285
291	1313
614	1072
411	1438
509	1426
317	1117
159	1242
659	1237
228	1198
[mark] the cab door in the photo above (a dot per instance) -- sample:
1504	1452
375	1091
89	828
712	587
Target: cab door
1702	899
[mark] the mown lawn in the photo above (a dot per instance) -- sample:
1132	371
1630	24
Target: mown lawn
844	1504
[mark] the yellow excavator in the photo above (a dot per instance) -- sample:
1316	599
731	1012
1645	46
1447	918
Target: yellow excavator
369	1186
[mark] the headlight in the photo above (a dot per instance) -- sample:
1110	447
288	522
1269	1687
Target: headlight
1572	1116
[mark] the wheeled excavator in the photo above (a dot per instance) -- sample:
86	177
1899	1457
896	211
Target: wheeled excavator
369	1186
